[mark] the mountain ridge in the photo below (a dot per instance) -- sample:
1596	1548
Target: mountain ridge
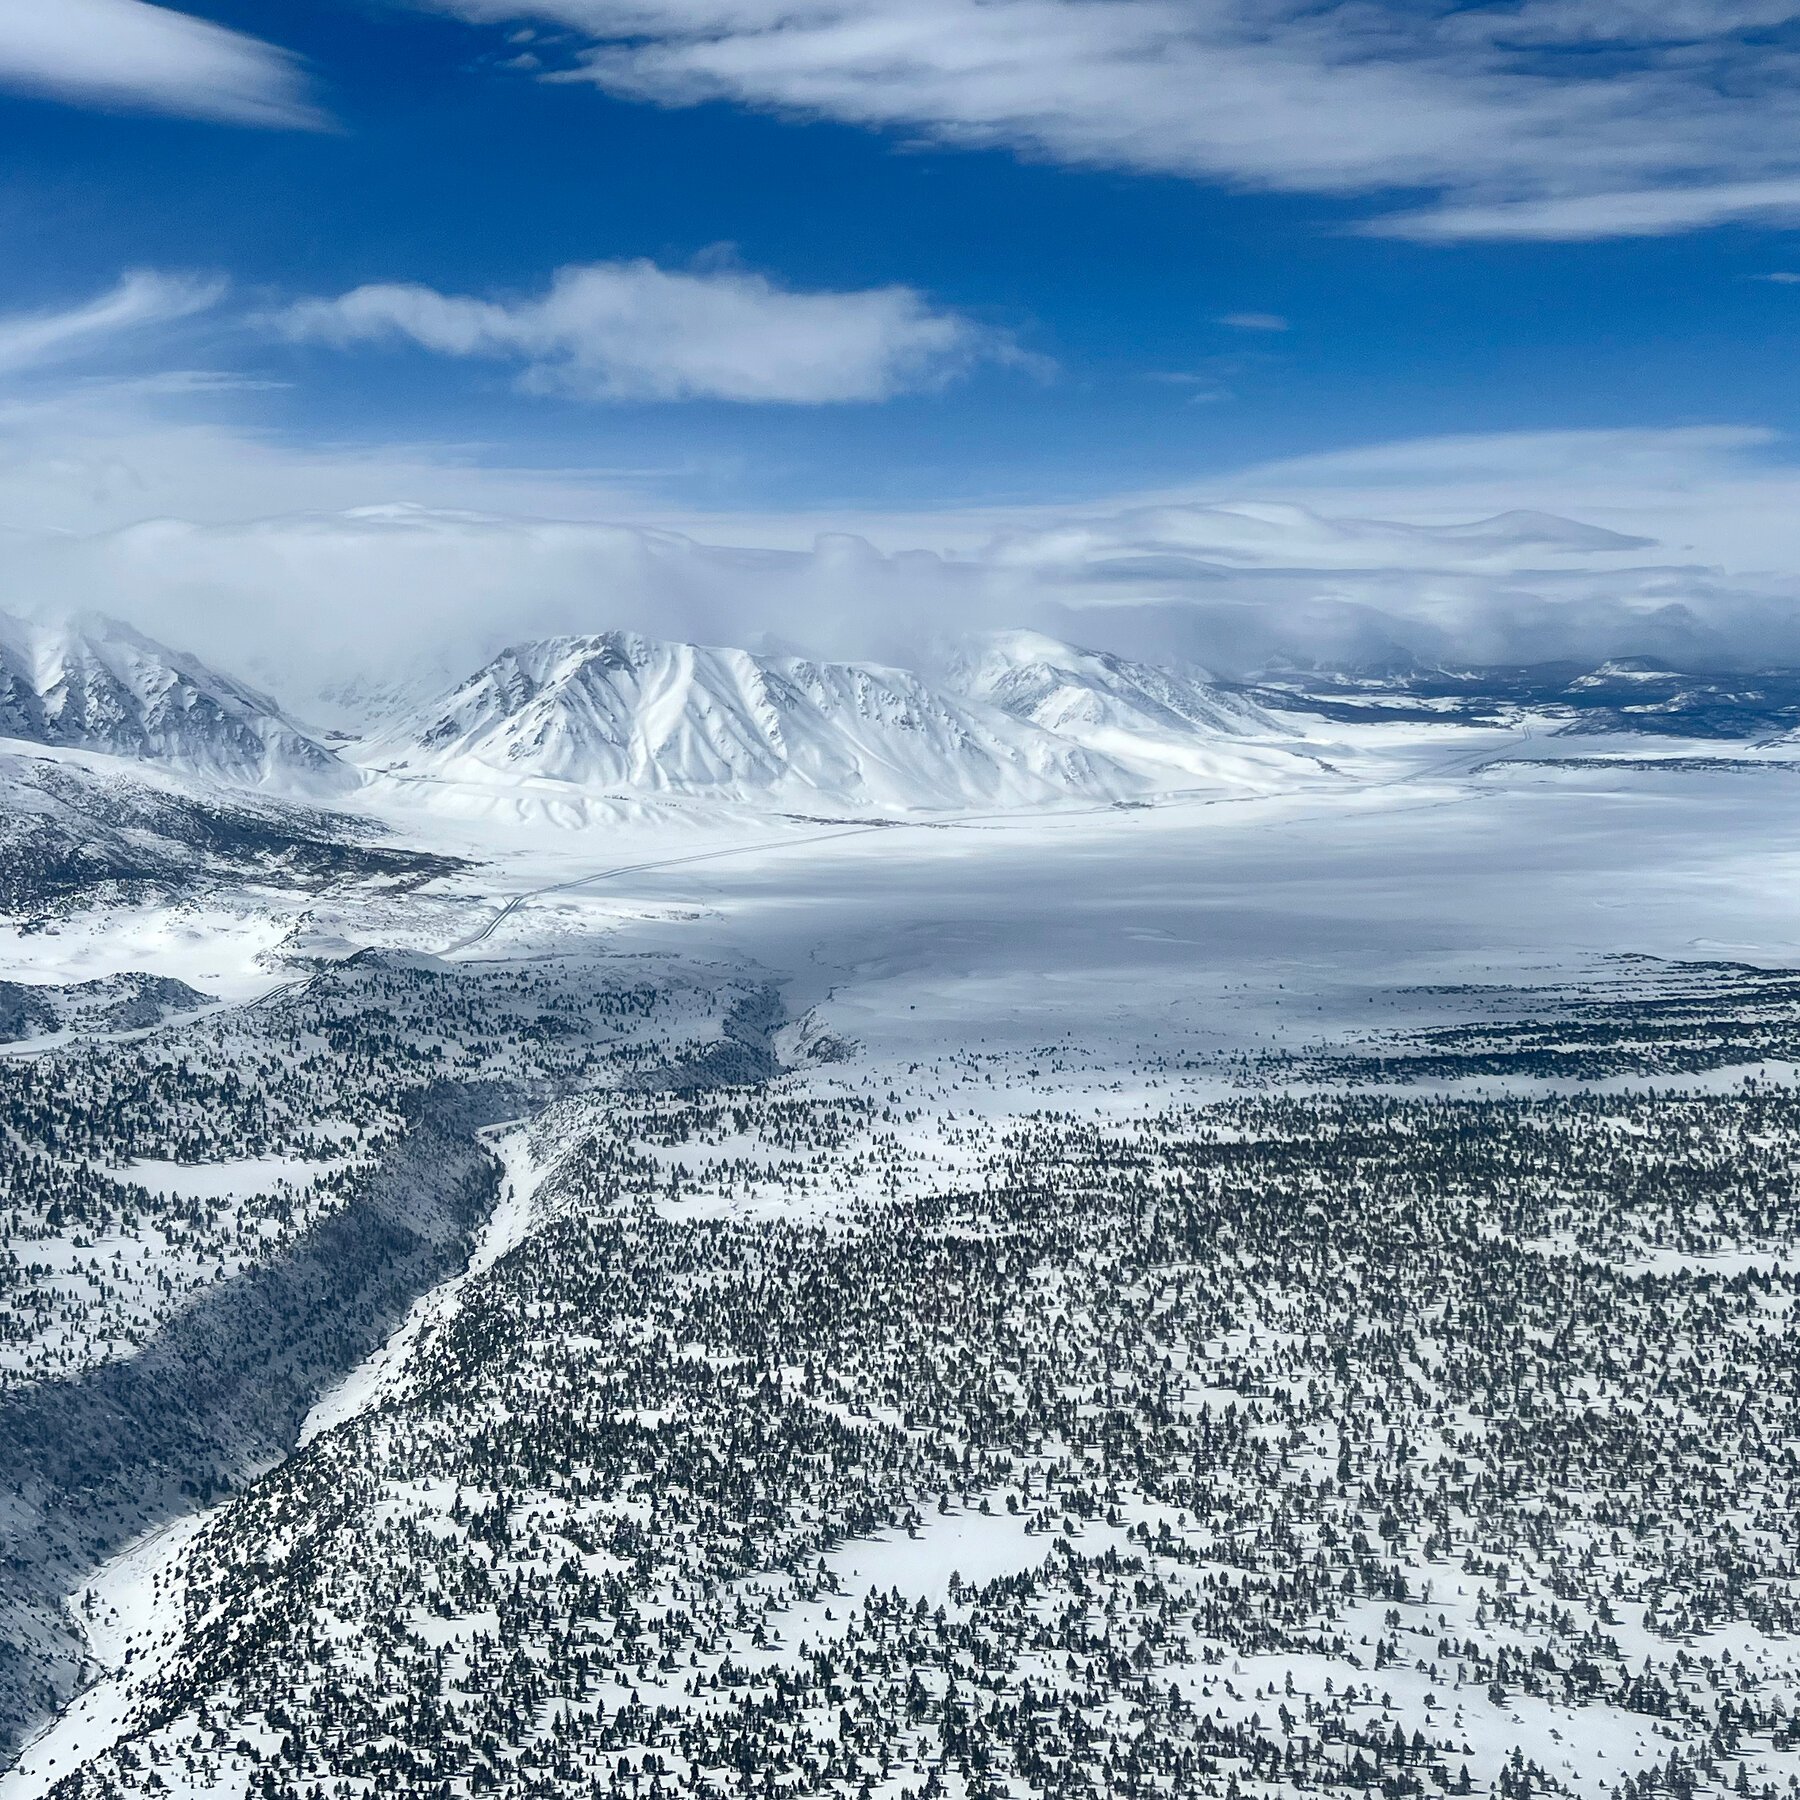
89	682
1159	719
617	712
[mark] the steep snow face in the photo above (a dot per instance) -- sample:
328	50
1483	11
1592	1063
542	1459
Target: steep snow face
1138	714
91	683
618	713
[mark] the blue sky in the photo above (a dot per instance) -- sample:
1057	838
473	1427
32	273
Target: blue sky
907	259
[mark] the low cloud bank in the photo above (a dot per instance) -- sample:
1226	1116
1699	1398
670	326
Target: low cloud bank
413	564
409	594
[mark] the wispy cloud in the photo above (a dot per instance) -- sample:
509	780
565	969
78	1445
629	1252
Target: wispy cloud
634	331
140	300
130	54
1254	321
1572	218
1551	119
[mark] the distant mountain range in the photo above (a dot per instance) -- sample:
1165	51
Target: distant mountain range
1011	719
1625	694
617	713
1158	723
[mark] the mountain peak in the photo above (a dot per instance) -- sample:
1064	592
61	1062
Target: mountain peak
619	713
1161	721
1022	720
91	682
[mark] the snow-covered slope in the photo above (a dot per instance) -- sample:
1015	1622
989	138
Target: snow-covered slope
622	714
1143	716
77	828
91	683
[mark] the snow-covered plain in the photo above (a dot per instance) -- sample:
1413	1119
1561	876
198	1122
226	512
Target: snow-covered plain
1193	920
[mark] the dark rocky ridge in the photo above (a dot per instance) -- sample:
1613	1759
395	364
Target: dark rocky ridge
129	1002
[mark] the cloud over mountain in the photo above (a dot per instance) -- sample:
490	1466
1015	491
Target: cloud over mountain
1511	546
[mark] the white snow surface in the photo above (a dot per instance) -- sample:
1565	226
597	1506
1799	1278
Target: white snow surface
1050	953
132	1612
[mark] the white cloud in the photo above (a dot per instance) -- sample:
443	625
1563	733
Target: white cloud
273	558
168	501
140	300
1671	483
128	53
1556	118
633	331
1571	218
1254	321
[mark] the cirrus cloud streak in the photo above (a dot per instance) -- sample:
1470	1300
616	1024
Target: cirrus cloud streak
141	299
130	54
1583	118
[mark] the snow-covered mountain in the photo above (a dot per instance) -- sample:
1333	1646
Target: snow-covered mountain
1141	715
1019	720
622	714
91	683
